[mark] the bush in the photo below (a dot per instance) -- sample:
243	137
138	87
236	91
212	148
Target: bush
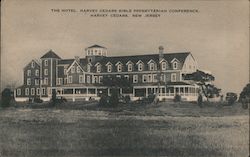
127	99
114	99
104	101
177	98
6	97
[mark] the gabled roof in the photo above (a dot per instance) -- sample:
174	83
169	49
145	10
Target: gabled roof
51	54
96	46
145	58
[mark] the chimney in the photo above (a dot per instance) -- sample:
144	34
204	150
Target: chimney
77	58
161	49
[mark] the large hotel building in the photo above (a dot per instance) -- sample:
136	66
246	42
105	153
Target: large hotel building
81	78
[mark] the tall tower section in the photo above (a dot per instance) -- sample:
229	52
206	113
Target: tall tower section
95	53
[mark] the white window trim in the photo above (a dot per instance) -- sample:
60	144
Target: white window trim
175	65
165	67
38	91
135	78
73	69
81	78
46	81
28	72
36	81
70	79
46	62
43	91
37	72
109	68
173	77
154	77
130	67
46	71
27	91
32	64
98	68
78	70
59	81
119	67
151	66
88	79
32	91
140	67
18	92
28	81
144	78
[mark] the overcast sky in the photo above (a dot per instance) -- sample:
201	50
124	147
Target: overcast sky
217	36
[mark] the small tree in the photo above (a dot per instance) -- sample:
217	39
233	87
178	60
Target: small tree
54	101
245	96
204	81
6	97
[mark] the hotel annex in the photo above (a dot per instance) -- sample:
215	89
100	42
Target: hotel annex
81	78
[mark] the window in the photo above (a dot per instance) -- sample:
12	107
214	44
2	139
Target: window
37	72
18	91
119	68
45	71
109	68
163	66
144	78
154	77
59	81
140	67
175	65
135	78
28	81
163	77
151	66
32	64
45	81
173	77
81	78
78	70
36	81
118	76
65	80
73	69
32	91
127	77
95	79
65	71
98	68
100	79
28	72
46	62
88	79
43	91
38	91
150	78
130	67
70	79
26	91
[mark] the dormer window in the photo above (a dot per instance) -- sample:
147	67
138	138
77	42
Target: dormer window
119	68
175	65
109	68
151	66
140	67
163	66
130	68
98	68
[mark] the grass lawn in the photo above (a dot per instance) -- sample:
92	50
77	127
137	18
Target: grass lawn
167	129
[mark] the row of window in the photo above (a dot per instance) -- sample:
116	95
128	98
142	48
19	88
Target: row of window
37	72
98	79
37	81
32	91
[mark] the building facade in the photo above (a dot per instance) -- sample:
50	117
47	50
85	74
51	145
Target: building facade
82	78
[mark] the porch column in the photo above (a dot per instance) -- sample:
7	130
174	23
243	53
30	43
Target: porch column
120	90
165	91
96	91
133	92
73	95
87	91
146	92
108	92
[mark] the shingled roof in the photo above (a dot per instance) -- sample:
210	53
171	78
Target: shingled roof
144	58
51	54
96	46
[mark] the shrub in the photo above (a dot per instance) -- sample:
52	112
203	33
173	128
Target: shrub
177	98
114	99
104	101
6	97
127	99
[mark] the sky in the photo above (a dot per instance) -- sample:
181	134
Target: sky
217	35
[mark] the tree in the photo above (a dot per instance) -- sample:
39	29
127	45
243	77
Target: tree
6	97
115	83
204	81
245	96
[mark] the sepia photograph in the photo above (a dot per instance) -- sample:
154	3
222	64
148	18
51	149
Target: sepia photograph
124	78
